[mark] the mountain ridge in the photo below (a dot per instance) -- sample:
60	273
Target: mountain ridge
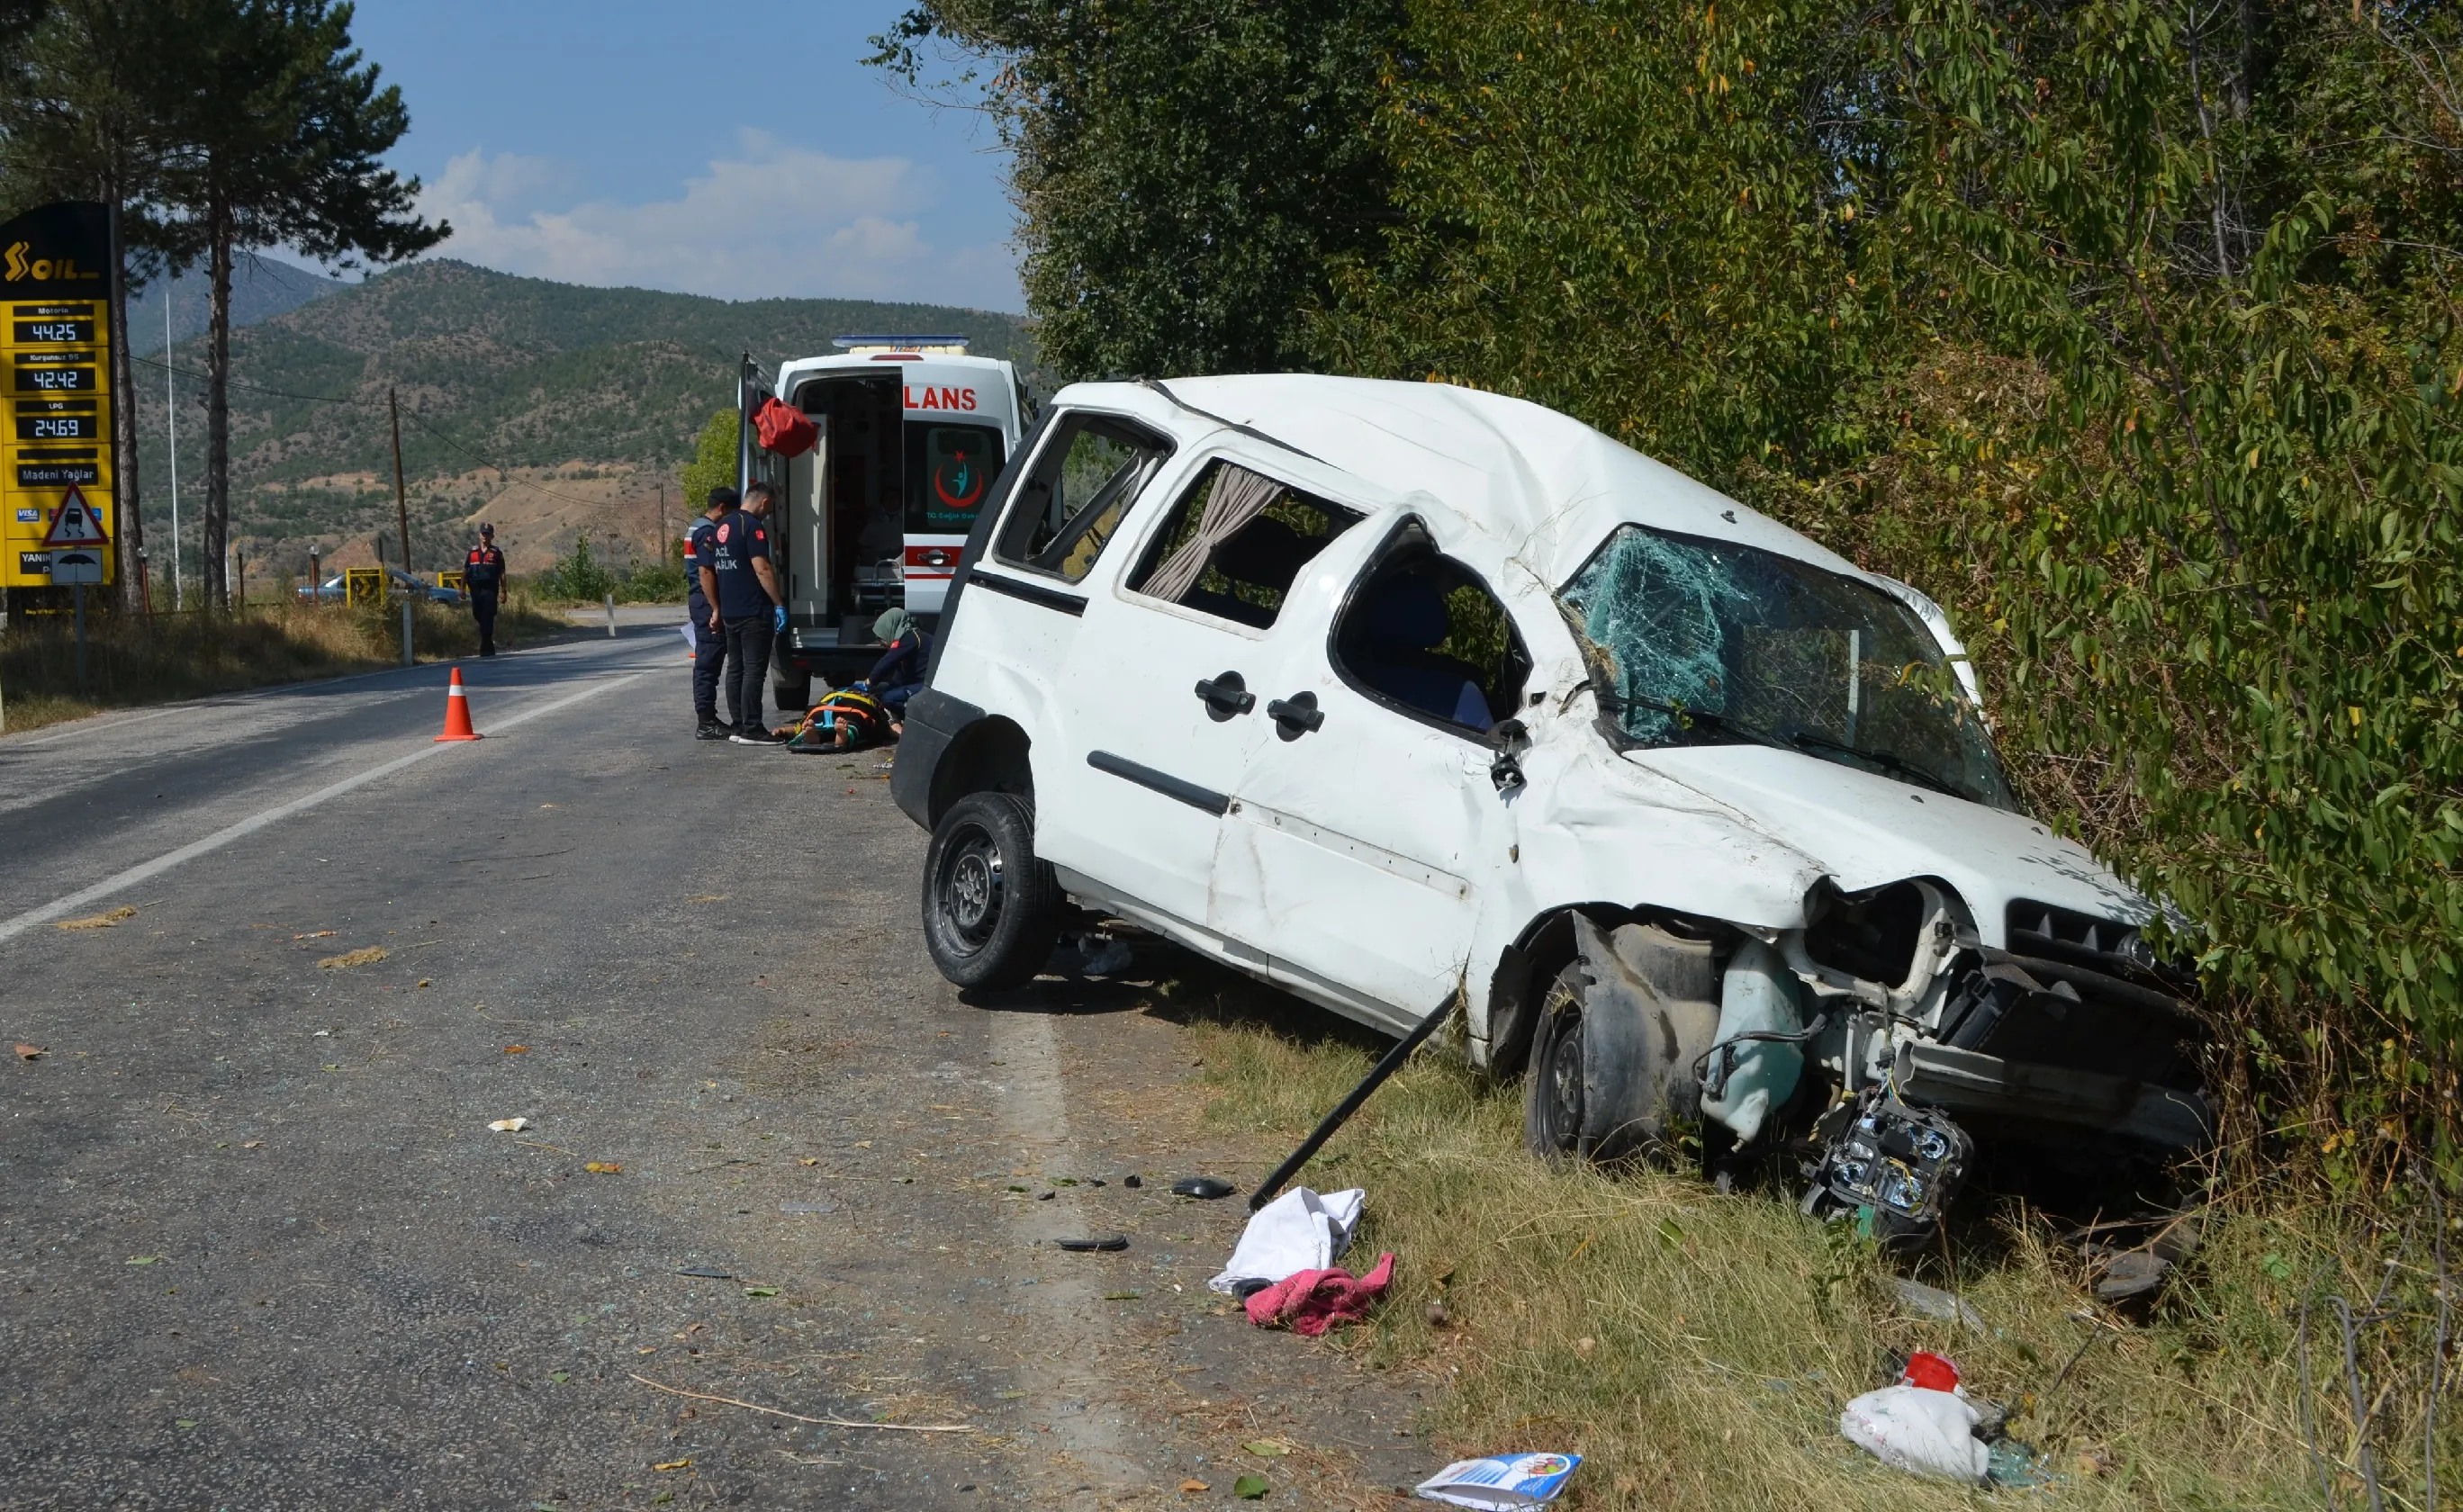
504	382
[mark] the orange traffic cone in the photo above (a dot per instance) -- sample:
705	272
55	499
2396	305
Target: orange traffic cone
457	712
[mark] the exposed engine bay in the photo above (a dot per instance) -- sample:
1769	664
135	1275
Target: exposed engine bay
1884	1041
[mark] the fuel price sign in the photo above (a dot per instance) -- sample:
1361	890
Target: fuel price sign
55	394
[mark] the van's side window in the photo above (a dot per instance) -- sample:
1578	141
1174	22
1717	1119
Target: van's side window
1084	480
1423	634
1235	544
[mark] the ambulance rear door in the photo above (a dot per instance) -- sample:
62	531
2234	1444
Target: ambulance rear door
960	423
806	537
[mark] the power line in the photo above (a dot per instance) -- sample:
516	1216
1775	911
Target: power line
415	419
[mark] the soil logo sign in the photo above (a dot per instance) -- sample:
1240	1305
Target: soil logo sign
56	394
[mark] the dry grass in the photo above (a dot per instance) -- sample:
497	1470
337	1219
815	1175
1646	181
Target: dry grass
132	660
1698	1347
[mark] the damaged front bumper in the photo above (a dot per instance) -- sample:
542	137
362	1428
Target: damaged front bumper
1893	1041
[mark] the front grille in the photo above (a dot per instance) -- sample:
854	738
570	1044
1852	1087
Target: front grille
2076	991
2101	945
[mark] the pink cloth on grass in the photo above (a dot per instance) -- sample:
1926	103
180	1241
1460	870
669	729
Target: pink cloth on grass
1314	1301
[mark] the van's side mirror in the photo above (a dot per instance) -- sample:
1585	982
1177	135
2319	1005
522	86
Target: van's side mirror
1509	736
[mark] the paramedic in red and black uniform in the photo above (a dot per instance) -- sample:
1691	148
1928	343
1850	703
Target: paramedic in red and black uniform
709	635
752	608
483	572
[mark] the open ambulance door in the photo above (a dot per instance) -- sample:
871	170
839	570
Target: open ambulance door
804	534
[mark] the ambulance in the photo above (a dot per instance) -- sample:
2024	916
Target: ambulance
912	430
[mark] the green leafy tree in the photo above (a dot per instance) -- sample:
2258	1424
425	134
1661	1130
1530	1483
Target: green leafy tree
1184	169
1640	213
714	464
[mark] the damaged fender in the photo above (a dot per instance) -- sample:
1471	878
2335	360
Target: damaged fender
1647	1016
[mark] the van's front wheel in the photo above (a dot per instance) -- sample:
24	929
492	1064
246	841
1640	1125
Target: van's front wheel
991	909
1552	1086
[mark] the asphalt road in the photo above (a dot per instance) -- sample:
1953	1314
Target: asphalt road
261	1249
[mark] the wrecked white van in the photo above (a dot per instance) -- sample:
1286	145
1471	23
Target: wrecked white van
1402	695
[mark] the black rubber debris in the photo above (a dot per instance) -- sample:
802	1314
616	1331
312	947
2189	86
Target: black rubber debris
1204	1186
707	1272
1132	1182
1108	1242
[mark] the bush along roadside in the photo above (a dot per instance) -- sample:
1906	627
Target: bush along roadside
580	577
1697	1349
133	659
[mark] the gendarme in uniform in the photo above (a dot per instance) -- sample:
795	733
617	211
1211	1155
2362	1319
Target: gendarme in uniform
483	572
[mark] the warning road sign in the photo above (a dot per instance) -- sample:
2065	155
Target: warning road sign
76	525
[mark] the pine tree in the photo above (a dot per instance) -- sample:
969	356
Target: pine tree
281	144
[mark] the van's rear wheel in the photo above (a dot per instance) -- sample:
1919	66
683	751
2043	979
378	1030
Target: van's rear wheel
793	693
1552	1089
991	908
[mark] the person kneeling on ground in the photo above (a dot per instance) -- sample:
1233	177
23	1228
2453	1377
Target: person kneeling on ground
898	674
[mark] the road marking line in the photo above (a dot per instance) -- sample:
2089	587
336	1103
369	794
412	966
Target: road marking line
1034	1114
35	918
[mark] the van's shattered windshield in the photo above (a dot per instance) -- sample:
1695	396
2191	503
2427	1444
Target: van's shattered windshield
1705	641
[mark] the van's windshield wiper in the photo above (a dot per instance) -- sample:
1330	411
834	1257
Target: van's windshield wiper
1687	716
1898	766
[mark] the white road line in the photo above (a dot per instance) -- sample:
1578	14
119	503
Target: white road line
83	727
1065	1371
35	918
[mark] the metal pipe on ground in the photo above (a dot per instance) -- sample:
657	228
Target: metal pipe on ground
1344	1110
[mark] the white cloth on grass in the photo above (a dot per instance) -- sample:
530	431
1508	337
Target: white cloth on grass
1297	1231
1910	1428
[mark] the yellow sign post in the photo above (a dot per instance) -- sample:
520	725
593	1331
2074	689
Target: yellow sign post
55	385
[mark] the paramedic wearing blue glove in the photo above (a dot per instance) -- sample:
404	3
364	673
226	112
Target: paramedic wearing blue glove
898	674
744	589
709	637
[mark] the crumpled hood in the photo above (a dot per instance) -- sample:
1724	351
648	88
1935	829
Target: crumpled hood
1867	830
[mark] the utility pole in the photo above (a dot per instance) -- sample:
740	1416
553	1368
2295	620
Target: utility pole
401	503
171	414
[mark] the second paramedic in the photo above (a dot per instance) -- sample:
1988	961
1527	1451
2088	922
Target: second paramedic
709	635
743	586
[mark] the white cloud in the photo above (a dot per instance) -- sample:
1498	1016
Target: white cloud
776	220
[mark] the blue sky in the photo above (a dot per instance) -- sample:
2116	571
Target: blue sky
738	150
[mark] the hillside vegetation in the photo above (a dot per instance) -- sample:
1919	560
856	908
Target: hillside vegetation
511	388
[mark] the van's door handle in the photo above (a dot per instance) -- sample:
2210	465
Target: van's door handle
1225	694
1295	716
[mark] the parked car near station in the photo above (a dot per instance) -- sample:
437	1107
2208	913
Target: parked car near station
1400	695
400	584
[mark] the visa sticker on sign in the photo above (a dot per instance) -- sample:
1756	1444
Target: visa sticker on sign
1502	1481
